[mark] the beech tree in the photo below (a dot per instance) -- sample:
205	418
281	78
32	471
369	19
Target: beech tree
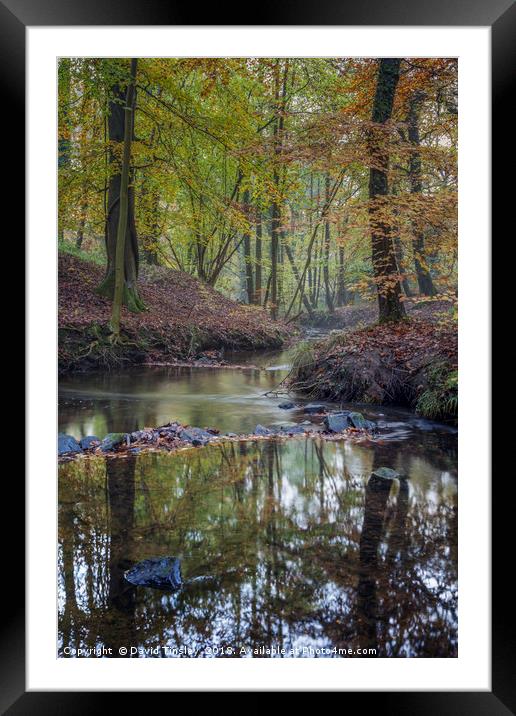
382	239
120	199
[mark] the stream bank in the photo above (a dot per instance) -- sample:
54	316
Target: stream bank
412	363
185	319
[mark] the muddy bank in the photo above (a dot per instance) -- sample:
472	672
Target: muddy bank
412	364
185	320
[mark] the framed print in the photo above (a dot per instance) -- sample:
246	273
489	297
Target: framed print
259	306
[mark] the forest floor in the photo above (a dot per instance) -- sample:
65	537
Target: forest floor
411	363
186	320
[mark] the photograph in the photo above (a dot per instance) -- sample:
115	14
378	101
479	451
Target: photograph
257	357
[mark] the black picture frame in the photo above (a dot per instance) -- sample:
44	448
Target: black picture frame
500	15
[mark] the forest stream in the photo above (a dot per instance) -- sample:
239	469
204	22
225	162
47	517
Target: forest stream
303	552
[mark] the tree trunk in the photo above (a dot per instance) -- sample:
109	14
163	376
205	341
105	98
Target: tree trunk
341	286
304	299
258	259
82	223
383	253
280	102
274	260
424	279
326	261
247	253
121	216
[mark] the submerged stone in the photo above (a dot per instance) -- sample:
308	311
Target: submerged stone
67	443
312	408
286	406
89	441
158	573
112	440
262	430
386	473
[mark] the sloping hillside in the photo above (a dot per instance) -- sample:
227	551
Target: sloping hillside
184	318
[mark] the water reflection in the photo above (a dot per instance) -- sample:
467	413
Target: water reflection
302	552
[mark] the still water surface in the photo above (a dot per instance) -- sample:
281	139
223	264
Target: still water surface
305	554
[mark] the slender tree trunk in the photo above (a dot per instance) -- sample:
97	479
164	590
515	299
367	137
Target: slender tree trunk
64	140
383	253
247	253
123	218
341	286
258	260
326	263
304	299
82	224
116	132
424	279
280	101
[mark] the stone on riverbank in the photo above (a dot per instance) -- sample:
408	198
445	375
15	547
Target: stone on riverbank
262	430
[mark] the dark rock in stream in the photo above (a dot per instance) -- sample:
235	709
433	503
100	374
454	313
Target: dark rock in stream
286	406
196	436
158	573
336	422
358	421
314	408
293	430
262	430
386	473
89	441
66	444
112	440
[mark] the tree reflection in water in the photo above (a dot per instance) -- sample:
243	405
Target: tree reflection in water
303	550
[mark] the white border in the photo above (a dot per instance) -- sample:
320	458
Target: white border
471	670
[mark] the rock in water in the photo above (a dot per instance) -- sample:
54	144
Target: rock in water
358	421
111	441
386	473
286	406
196	436
293	430
313	408
158	573
336	422
89	441
262	430
67	443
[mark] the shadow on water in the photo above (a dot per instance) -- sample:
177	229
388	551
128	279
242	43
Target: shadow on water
302	553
